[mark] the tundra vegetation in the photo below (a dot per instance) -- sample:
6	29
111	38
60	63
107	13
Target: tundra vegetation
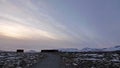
19	60
91	59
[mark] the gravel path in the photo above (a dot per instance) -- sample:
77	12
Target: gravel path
52	61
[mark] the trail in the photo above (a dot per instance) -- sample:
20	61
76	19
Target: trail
52	61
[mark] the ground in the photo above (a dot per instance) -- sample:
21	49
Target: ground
51	61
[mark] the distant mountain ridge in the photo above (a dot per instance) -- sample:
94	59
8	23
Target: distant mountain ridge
68	50
90	49
115	48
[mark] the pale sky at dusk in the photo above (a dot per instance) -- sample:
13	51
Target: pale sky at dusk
41	24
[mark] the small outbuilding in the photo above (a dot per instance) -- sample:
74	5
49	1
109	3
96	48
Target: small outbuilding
20	50
52	50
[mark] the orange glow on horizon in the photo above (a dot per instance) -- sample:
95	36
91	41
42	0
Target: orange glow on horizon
23	32
11	31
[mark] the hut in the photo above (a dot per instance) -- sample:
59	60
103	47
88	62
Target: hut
20	50
52	50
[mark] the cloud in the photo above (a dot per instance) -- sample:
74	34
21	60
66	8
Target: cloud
27	14
19	31
36	23
28	24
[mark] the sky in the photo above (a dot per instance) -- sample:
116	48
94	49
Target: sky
51	24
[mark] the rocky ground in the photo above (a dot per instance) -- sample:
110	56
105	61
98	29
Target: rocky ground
60	60
91	60
19	60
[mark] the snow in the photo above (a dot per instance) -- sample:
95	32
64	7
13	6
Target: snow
68	50
101	49
112	48
89	49
115	60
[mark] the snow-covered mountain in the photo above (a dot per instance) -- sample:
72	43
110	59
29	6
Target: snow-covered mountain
31	51
90	49
68	50
116	48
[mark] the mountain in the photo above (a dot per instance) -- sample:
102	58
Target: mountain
68	50
116	48
90	49
31	51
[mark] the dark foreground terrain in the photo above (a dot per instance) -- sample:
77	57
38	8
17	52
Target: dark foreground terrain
91	59
60	60
51	61
19	60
